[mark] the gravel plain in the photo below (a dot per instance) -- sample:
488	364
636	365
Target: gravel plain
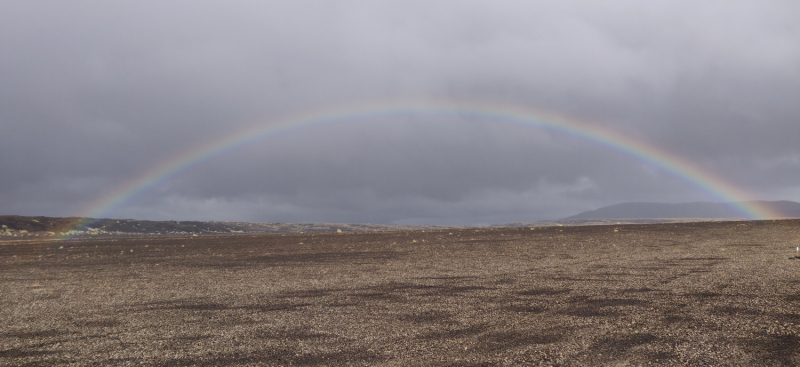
694	294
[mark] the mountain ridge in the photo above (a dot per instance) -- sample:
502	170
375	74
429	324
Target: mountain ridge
648	210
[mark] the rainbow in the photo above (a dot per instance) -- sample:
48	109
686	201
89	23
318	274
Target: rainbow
717	186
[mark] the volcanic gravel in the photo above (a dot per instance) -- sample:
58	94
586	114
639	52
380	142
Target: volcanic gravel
721	293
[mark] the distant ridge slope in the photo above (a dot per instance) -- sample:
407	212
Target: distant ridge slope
787	209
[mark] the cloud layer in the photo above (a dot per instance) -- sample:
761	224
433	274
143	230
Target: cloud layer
94	93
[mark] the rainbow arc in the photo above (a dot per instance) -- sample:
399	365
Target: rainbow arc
717	186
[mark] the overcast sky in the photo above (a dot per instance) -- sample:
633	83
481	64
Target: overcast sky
94	93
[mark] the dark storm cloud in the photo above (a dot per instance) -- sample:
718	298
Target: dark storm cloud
94	93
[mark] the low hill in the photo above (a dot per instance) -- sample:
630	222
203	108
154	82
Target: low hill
787	209
21	227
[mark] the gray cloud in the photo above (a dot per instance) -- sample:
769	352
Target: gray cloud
94	93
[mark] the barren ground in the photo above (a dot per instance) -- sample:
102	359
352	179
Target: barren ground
722	293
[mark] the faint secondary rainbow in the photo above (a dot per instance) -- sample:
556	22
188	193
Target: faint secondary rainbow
717	186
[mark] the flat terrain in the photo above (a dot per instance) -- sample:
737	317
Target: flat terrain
723	293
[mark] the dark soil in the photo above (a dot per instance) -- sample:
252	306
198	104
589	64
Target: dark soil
724	293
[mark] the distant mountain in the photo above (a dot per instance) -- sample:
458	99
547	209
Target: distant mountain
787	209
